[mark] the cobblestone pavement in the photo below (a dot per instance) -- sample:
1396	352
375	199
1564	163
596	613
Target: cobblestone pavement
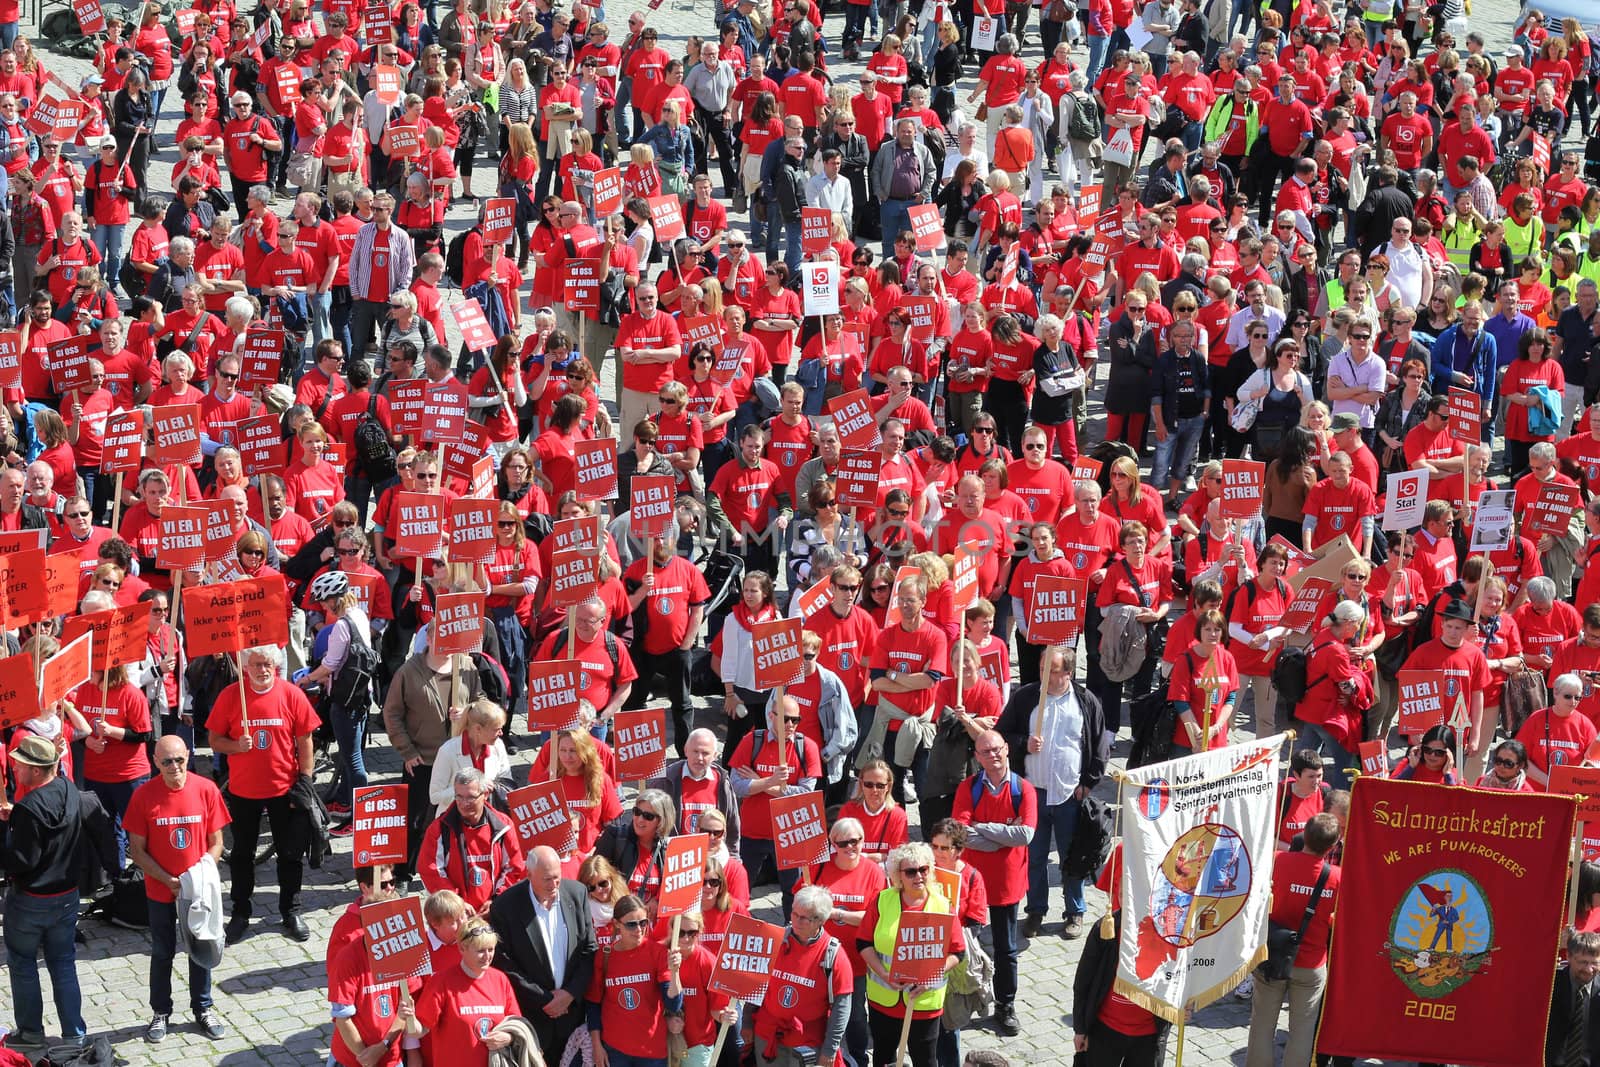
271	990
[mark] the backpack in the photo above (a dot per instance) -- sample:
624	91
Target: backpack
1084	122
493	682
1249	589
351	685
760	740
609	638
1012	779
455	256
1289	675
374	455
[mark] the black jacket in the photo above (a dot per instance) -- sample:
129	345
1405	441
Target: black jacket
671	783
789	187
1166	390
618	844
1094	979
1560	1022
1016	724
1375	216
1128	387
42	839
525	961
303	795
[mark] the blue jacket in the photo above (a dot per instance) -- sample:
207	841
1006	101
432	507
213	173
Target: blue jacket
1478	363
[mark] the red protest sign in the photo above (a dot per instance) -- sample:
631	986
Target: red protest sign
574	576
921	945
1421	701
610	192
69	362
1540	152
852	417
700	328
891	613
475	332
1302	613
816	229
232	616
1374	757
177	435
119	634
262	449
775	647
597	468
651	504
406	401
641	747
1464	415
386	84
1085	469
1241	488
685	865
124	442
539	812
666	217
926	226
64	671
730	355
580	286
1056	615
27	598
745	962
815	598
457	626
10	359
800	830
472	529
578	532
919	312
856	484
91	17
1551	511
480	480
420	530
461	457
380	825
288	82
404	142
220	535
19	693
499	219
1574	779
183	538
396	937
553	688
260	359
964	578
380	24
61	582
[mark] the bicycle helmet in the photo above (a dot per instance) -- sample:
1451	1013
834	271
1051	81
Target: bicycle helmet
330	586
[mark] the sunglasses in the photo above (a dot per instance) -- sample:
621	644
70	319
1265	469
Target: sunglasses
914	872
1435	751
600	886
1505	761
173	761
634	924
875	786
506	525
983	429
789	720
646	814
849	842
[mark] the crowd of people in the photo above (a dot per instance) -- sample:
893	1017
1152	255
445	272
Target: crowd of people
1346	244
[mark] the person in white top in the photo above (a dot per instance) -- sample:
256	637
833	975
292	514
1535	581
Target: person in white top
1408	272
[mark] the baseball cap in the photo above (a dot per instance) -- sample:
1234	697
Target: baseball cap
91	79
1346	420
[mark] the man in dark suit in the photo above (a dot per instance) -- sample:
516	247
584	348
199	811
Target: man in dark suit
547	948
1573	1039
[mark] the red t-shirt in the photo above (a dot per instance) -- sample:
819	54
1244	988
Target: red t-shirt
658	331
176	825
459	1011
1554	740
1338	511
627	986
755	810
678	587
1005	871
925	649
796	1004
851	891
277	718
125	706
598	681
1294	876
376	1003
848	644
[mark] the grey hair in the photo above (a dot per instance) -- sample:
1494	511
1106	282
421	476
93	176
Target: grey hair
472	776
180	245
271	652
262	193
846	825
1543	450
1348	611
1569	680
1006	45
1194	262
1076	81
1048	321
660	803
1541	590
815	901
1589	283
239	305
913	852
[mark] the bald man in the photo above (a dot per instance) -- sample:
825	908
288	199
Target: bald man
173	822
547	948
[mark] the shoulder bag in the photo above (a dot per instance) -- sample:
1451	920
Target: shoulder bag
1283	943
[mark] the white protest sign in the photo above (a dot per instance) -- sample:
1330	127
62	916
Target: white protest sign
1406	499
820	288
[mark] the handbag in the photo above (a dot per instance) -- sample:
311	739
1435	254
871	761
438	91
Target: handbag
304	170
1283	943
1245	412
1060	11
982	112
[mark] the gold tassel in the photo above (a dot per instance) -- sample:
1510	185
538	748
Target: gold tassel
1108	927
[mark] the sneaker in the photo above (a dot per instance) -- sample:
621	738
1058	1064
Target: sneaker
1032	924
337	809
26	1039
1074	928
210	1024
1246	989
910	792
157	1030
344	829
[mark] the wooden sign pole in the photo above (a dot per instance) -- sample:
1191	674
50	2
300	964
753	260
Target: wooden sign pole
1044	690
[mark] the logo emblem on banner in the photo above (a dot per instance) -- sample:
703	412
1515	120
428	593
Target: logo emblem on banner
1153	799
1442	933
1203	885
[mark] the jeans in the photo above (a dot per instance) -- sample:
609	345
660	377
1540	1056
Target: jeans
1314	737
48	923
163	949
894	216
1176	453
1097	58
857	1035
321	306
1003	928
1193	133
339	315
350	734
1058	820
107	238
622	116
855	24
8	34
791	246
758	853
358	491
366	323
513	654
290	828
114	796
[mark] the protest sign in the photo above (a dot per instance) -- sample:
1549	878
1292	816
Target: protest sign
419	530
800	830
856	480
1574	779
1302	613
10	359
1421	701
1374	758
775	648
396	938
816	229
69	362
580	285
667	218
475	332
920	946
386	84
444	411
458	623
553	690
262	449
19	691
650	511
119	634
1493	521
1551	510
177	435
1405	500
684	870
182	546
814	599
596	463
499	220
610	192
61	572
919	312
539	812
26	597
403	141
1057	612
926	226
472	529
260	359
745	962
641	747
574	574
380	825
1465	420
852	417
819	288
1241	488
233	616
964	578
407	399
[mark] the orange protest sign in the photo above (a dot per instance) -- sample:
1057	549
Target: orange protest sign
921	945
119	634
260	359
404	142
553	689
61	582
457	626
19	694
386	84
64	671
651	505
1241	488
852	417
396	938
697	329
684	865
574	576
444	412
380	825
499	219
183	538
745	963
597	468
14	541
539	812
1577	780
800	830
641	747
420	530
775	647
926	226
262	449
232	616
472	529
1085	469
177	435
366	588
816	597
666	217
949	883
1056	614
1374	758
610	192
480	480
964	578
1421	701
27	596
891	614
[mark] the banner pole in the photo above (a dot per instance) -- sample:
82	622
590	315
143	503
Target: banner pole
783	731
116	504
458	725
1182	1025
1044	689
244	707
961	663
1577	865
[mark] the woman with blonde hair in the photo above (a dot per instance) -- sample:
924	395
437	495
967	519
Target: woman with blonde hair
476	744
718	904
605	886
590	793
882	822
470	1038
518	170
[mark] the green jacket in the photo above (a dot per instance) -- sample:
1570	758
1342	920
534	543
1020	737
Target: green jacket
1221	116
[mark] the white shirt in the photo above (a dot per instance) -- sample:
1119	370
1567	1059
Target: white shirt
553	928
1240	323
1405	271
1057	767
834	195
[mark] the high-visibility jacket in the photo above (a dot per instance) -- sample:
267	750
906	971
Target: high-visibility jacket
883	938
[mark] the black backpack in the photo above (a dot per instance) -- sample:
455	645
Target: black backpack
1249	589
351	686
374	455
455	256
1289	675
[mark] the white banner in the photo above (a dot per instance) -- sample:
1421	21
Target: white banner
1197	846
1405	500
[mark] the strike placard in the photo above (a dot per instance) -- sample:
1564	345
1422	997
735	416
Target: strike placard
1241	488
27	599
19	692
596	462
852	417
460	457
499	219
444	411
64	671
1056	615
744	965
814	599
964	578
1302	613
800	830
475	332
919	312
666	217
610	192
91	16
183	538
1374	758
684	865
260	359
262	449
406	401
891	613
574	575
61	572
10	359
816	229
1085	469
120	634
419	530
921	945
1421	705
856	480
233	616
926	226
1406	499
69	362
651	504
641	747
1465	418
1551	510
457	627
379	826
177	435
404	142
539	812
396	938
124	442
819	288
553	692
1574	779
775	646
580	285
386	84
472	529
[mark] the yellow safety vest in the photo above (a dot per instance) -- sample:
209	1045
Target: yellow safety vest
1524	240
883	938
1459	242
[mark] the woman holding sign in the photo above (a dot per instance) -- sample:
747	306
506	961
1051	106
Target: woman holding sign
912	888
635	988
